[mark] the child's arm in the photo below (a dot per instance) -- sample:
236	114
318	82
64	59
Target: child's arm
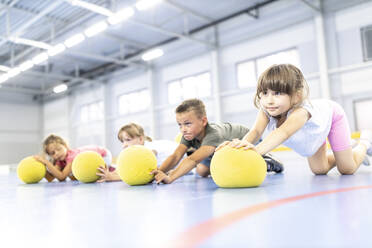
106	175
254	134
295	121
185	166
173	159
60	175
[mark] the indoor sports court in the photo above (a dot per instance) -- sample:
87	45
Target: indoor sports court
78	73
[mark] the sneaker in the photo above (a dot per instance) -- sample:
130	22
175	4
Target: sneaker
366	162
273	164
365	137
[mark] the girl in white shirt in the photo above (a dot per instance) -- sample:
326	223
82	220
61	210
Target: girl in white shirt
133	134
303	125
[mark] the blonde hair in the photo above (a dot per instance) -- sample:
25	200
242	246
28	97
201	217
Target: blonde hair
52	138
133	130
283	78
195	105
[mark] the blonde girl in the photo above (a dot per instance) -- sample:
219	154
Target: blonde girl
61	156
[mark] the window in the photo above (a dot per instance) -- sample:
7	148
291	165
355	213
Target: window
134	102
197	86
367	42
249	71
285	57
246	73
92	112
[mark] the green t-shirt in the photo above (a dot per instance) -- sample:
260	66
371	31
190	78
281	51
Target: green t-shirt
215	134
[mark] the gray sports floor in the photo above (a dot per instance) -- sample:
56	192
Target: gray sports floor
293	209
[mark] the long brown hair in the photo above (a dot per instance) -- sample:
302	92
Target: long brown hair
283	78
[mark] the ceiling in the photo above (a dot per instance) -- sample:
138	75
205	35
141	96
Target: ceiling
120	46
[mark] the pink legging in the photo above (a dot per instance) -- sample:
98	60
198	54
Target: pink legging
339	135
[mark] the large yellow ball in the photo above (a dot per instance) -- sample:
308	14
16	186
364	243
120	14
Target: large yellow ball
178	138
30	170
135	164
237	168
85	166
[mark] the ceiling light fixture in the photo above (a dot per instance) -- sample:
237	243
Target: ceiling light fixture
121	15
96	29
26	65
40	58
92	7
74	40
60	88
56	49
146	4
152	54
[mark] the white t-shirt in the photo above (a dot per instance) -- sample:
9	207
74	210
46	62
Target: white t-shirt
163	148
313	134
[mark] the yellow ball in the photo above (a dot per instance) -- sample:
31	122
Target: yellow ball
135	164
30	170
85	166
237	168
178	138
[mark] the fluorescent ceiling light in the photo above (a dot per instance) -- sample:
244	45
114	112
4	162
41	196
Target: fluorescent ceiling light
3	78
96	29
74	40
4	68
146	4
13	72
121	16
38	59
92	7
28	42
152	54
60	88
56	49
26	65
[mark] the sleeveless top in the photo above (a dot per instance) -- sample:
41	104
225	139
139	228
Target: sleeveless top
307	140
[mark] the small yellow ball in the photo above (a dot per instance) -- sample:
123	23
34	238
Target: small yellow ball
85	166
237	168
29	170
135	164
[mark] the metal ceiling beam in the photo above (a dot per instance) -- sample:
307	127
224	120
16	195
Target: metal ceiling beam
11	88
42	13
27	11
6	7
187	10
171	33
193	31
316	8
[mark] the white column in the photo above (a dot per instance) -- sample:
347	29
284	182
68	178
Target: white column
151	86
215	62
322	56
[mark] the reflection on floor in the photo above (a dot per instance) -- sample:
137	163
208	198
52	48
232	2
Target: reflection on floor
293	209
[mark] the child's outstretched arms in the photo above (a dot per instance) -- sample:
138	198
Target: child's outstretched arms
107	175
53	170
185	166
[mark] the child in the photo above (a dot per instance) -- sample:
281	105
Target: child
133	134
62	156
201	135
303	125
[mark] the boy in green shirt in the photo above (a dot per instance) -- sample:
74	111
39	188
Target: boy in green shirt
197	133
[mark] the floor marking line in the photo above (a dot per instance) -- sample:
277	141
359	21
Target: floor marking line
197	234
